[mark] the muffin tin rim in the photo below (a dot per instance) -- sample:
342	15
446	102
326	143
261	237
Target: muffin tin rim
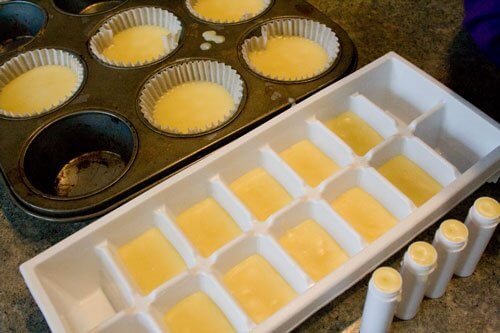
56	7
78	112
190	135
248	33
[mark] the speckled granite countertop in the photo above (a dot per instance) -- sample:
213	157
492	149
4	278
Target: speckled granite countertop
428	33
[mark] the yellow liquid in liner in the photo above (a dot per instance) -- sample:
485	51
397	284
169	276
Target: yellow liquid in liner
197	313
38	89
364	213
208	226
228	10
411	179
314	249
258	287
289	57
137	44
193	105
151	260
260	193
360	136
309	162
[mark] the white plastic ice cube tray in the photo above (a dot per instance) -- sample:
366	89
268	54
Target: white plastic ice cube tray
80	286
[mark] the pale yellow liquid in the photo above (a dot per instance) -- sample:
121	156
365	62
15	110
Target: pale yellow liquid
360	136
487	207
364	213
137	44
228	10
289	57
411	179
38	89
314	249
208	226
454	230
261	193
193	105
197	314
258	287
387	279
309	162
423	253
151	260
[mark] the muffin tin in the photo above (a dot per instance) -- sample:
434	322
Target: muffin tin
81	285
111	94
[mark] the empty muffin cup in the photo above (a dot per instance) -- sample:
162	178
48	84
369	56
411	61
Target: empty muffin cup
79	154
86	7
136	37
20	22
227	11
192	98
291	49
39	81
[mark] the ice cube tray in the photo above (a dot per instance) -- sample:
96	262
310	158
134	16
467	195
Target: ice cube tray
81	285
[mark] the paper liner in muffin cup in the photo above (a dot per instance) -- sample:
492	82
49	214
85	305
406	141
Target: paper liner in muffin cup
192	71
132	18
27	61
315	31
190	4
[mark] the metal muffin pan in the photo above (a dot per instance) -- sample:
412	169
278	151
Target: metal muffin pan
450	139
112	91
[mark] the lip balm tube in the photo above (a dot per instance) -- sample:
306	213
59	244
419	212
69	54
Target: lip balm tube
384	293
449	241
481	221
418	263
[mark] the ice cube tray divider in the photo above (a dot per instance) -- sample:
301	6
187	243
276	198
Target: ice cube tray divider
212	176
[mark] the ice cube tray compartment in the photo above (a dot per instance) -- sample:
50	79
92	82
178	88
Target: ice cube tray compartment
425	130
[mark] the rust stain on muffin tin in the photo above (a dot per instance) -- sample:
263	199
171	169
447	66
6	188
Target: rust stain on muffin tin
117	90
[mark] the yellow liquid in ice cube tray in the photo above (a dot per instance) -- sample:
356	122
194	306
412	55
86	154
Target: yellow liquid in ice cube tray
364	213
208	226
197	313
309	162
360	136
313	248
258	287
411	179
151	260
261	193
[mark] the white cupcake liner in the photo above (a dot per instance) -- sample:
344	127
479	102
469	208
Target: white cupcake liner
309	29
191	3
132	18
38	58
199	70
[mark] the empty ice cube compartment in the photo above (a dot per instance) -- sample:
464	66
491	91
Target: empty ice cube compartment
123	322
151	260
81	289
459	135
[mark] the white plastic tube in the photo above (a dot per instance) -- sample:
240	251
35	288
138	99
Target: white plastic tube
384	293
449	241
481	221
418	263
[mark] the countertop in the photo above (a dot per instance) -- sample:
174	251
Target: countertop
429	34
